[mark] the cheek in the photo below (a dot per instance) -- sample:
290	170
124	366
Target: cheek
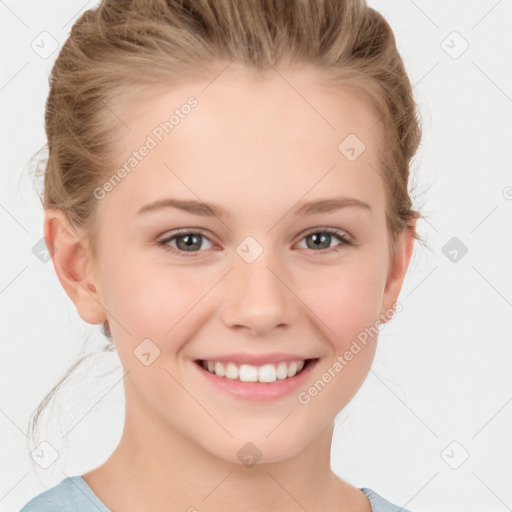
346	298
347	301
152	300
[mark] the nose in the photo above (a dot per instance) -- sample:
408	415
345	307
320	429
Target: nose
260	295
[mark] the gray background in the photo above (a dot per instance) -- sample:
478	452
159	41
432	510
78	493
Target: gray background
428	428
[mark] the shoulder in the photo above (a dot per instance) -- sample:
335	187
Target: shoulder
379	504
70	494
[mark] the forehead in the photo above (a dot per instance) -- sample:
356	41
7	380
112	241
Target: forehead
250	135
251	100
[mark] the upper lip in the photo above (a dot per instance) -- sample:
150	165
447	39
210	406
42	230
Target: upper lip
256	359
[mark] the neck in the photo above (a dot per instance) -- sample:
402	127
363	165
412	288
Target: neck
157	469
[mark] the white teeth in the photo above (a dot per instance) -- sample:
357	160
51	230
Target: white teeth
248	373
282	371
252	373
267	373
220	370
292	369
231	371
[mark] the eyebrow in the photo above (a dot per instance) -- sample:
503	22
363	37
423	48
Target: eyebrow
210	209
329	205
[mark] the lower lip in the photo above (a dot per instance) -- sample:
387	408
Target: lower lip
258	390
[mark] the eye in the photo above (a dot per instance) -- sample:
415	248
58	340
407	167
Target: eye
189	242
186	242
322	238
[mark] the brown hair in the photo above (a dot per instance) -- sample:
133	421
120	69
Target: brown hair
130	47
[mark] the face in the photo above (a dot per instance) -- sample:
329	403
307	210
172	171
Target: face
267	275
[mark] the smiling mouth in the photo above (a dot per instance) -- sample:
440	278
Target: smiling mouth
266	373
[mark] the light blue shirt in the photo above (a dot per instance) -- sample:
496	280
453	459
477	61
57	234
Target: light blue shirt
74	495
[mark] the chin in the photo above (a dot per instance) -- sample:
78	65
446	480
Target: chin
252	449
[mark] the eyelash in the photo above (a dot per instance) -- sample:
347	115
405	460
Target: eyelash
341	235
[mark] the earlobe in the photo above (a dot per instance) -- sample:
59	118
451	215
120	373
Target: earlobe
71	260
397	270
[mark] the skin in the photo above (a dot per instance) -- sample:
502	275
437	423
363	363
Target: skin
254	146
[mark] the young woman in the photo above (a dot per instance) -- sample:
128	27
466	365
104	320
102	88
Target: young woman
227	194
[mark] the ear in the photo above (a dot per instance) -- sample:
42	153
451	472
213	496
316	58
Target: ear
73	265
397	269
